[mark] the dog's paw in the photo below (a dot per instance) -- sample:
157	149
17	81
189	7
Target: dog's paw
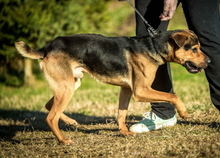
127	133
184	115
188	117
71	123
66	141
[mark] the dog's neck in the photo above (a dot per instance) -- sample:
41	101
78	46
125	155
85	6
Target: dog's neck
158	45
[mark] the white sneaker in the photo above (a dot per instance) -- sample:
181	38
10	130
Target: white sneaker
152	122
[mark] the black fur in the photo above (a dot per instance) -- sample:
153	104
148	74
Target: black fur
105	55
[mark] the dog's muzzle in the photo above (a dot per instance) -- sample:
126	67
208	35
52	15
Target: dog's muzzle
193	68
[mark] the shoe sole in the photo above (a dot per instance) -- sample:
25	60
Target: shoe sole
150	128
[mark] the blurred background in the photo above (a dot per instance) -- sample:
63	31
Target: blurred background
38	22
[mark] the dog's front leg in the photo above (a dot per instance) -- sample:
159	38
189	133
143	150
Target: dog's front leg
150	95
124	99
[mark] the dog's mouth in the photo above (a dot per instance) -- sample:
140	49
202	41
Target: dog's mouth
190	67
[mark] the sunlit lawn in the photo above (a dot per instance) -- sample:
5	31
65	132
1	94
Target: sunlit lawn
24	133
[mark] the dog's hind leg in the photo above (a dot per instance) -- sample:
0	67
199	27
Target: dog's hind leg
124	99
67	120
60	101
60	77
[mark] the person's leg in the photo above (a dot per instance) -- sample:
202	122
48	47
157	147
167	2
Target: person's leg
163	82
162	114
203	18
151	11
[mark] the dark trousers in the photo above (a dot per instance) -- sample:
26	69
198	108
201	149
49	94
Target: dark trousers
203	18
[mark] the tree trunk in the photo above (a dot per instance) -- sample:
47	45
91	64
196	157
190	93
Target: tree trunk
29	78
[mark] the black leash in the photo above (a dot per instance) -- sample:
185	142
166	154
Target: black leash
152	32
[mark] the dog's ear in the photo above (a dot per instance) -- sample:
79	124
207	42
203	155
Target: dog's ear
179	39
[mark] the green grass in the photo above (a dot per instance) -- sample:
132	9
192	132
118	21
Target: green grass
179	20
191	88
92	92
24	133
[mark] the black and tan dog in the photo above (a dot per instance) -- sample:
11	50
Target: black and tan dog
127	62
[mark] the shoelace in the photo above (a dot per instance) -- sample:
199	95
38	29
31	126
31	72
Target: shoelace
149	115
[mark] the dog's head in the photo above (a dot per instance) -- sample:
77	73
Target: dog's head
186	51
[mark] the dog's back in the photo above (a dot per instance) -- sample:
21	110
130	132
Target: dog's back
100	54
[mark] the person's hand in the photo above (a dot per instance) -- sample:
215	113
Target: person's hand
169	9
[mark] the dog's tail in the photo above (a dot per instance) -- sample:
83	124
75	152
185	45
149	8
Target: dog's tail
27	51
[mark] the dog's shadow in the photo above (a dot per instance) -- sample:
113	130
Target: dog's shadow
214	125
13	121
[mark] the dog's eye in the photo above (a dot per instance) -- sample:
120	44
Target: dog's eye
194	50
